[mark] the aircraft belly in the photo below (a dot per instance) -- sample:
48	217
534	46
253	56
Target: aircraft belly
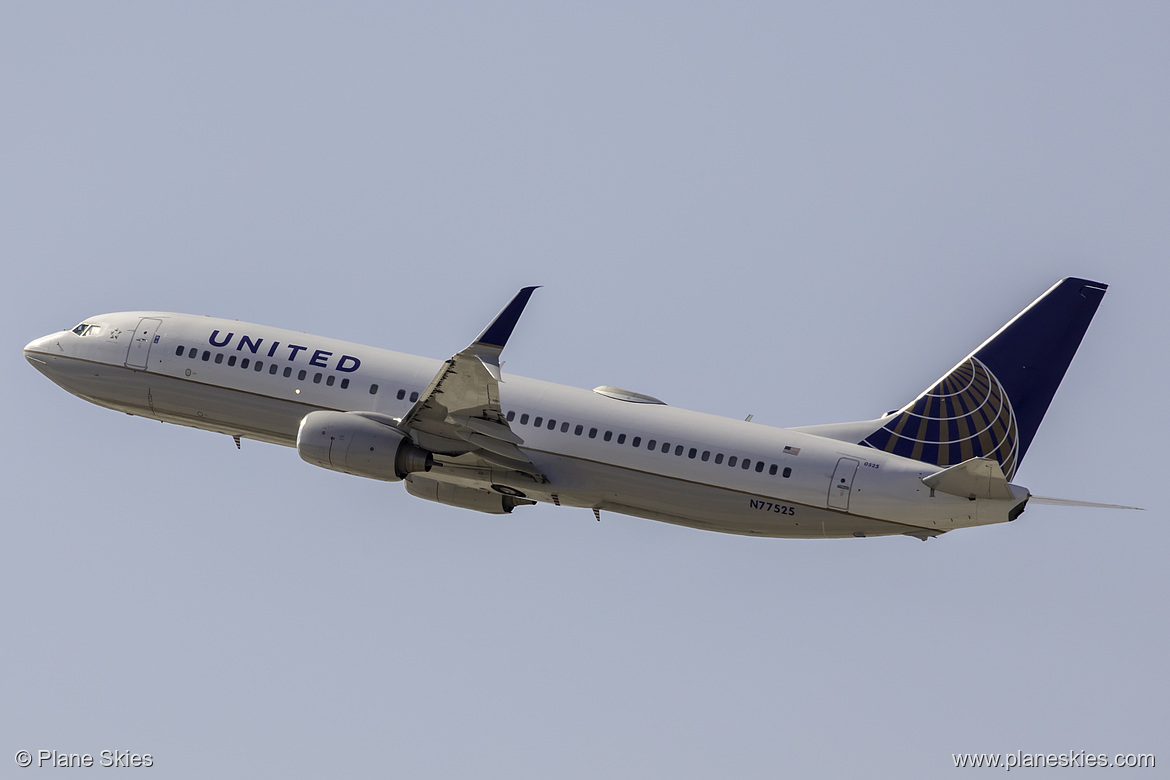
576	482
193	404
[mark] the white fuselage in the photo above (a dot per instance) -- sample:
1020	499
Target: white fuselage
643	459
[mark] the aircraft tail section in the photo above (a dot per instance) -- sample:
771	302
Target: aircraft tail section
991	404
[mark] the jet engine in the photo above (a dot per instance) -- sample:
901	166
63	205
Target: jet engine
463	497
354	444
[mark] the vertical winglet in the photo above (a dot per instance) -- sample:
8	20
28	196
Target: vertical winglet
496	335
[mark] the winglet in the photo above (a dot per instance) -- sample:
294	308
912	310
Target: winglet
497	334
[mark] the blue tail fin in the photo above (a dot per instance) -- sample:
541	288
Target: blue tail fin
991	404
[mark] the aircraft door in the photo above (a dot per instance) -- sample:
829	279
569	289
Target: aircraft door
139	349
842	484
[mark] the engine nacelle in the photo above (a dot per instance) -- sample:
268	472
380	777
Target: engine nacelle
353	444
463	497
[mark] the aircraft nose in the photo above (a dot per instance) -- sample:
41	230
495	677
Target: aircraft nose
45	345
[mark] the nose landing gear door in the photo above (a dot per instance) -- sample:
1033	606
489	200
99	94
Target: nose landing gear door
139	349
842	485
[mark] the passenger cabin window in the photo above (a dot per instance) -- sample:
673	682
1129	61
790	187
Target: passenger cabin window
373	388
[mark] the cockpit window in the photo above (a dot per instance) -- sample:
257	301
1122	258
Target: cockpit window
86	329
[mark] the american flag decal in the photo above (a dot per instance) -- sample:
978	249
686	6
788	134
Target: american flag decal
792	450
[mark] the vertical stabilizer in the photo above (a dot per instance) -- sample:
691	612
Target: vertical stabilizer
991	404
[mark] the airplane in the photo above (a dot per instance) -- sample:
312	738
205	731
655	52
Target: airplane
461	432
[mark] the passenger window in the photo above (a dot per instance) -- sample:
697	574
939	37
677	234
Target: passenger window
524	419
608	435
650	445
719	458
759	466
344	382
592	433
401	394
666	447
329	380
510	416
303	373
678	450
317	378
287	371
539	421
180	350
231	360
579	430
218	357
706	456
621	438
732	461
564	427
692	453
772	470
244	363
192	353
747	463
206	356
273	369
259	365
552	424
373	388
787	472
413	397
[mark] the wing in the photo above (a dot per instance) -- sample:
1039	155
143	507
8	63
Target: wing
459	415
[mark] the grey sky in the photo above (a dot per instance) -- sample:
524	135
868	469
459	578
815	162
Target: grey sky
807	213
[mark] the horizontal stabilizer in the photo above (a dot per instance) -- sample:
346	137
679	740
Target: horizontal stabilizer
974	478
1073	502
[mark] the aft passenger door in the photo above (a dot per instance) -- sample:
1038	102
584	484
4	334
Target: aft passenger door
842	484
139	349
